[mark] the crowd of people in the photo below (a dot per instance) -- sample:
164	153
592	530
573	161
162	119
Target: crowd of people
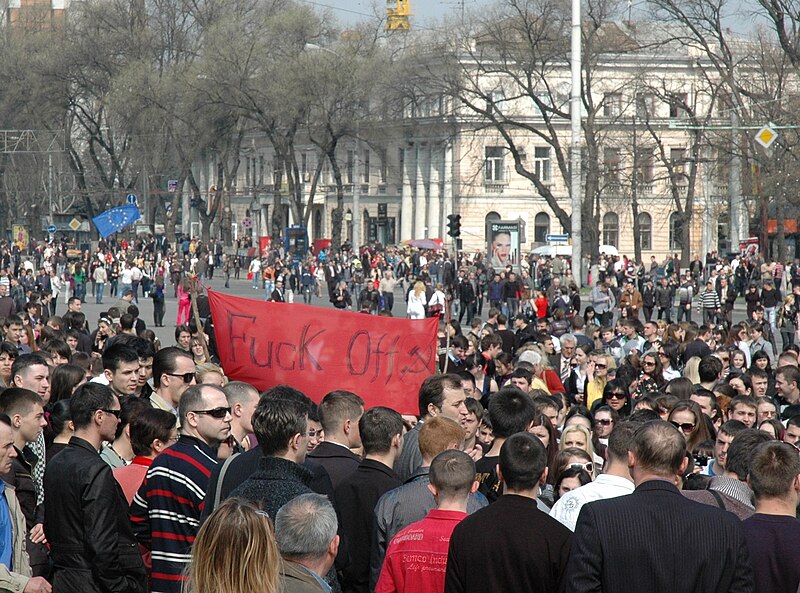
607	441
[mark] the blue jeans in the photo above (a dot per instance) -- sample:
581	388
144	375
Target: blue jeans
269	286
122	289
98	291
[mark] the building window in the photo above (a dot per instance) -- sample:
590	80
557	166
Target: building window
384	169
645	106
365	174
494	167
304	167
350	166
675	234
645	165
611	162
541	162
541	227
677	105
494	101
612	105
677	157
611	229
645	231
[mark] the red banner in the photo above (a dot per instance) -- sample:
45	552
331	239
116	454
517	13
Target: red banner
316	350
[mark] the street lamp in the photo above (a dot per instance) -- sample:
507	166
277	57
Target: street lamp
575	144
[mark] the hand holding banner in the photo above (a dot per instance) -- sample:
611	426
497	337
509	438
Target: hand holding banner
315	350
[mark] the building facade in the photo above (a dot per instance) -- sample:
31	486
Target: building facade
437	156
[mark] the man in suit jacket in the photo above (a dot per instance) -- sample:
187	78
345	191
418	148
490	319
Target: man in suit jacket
655	539
339	413
305	529
511	546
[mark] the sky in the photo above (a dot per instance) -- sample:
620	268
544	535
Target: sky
425	12
428	13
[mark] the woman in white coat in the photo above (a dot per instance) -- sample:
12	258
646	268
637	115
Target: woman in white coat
417	302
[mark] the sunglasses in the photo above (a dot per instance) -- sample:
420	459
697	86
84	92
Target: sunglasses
187	377
115	413
683	426
588	466
218	413
601	366
648	363
616	395
604	421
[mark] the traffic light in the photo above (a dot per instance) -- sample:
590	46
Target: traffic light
454	225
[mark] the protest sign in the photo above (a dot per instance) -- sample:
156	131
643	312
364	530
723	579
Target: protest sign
382	359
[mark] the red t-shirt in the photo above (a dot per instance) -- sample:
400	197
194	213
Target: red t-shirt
416	558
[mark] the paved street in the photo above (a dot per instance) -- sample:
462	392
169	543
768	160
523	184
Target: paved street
243	288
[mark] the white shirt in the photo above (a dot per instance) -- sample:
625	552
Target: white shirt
568	507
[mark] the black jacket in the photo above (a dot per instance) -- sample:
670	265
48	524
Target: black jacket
274	483
87	526
245	465
357	495
337	460
657	540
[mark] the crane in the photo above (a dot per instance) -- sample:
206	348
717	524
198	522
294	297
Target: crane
397	15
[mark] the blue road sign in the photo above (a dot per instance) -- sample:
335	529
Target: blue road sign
556	238
51	229
131	198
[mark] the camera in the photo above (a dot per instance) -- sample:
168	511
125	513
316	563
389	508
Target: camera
700	460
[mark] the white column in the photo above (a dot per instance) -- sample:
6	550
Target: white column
406	200
434	194
420	197
448	193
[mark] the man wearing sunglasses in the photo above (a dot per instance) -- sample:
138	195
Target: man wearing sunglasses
173	374
165	512
614	481
87	527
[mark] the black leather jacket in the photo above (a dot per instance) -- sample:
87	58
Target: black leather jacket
87	525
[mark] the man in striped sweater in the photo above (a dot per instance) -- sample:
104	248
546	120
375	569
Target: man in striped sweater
166	510
710	303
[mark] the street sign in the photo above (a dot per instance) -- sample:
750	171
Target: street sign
766	136
74	224
51	229
556	238
247	222
172	186
131	198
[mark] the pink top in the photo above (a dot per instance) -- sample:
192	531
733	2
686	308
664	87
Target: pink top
130	477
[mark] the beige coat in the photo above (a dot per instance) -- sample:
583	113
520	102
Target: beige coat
16	581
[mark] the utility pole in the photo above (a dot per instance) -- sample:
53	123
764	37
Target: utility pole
575	144
356	238
737	217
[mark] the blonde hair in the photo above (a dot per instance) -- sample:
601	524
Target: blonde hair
419	288
204	369
692	370
235	552
584	431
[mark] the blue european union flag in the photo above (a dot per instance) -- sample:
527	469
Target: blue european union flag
116	219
